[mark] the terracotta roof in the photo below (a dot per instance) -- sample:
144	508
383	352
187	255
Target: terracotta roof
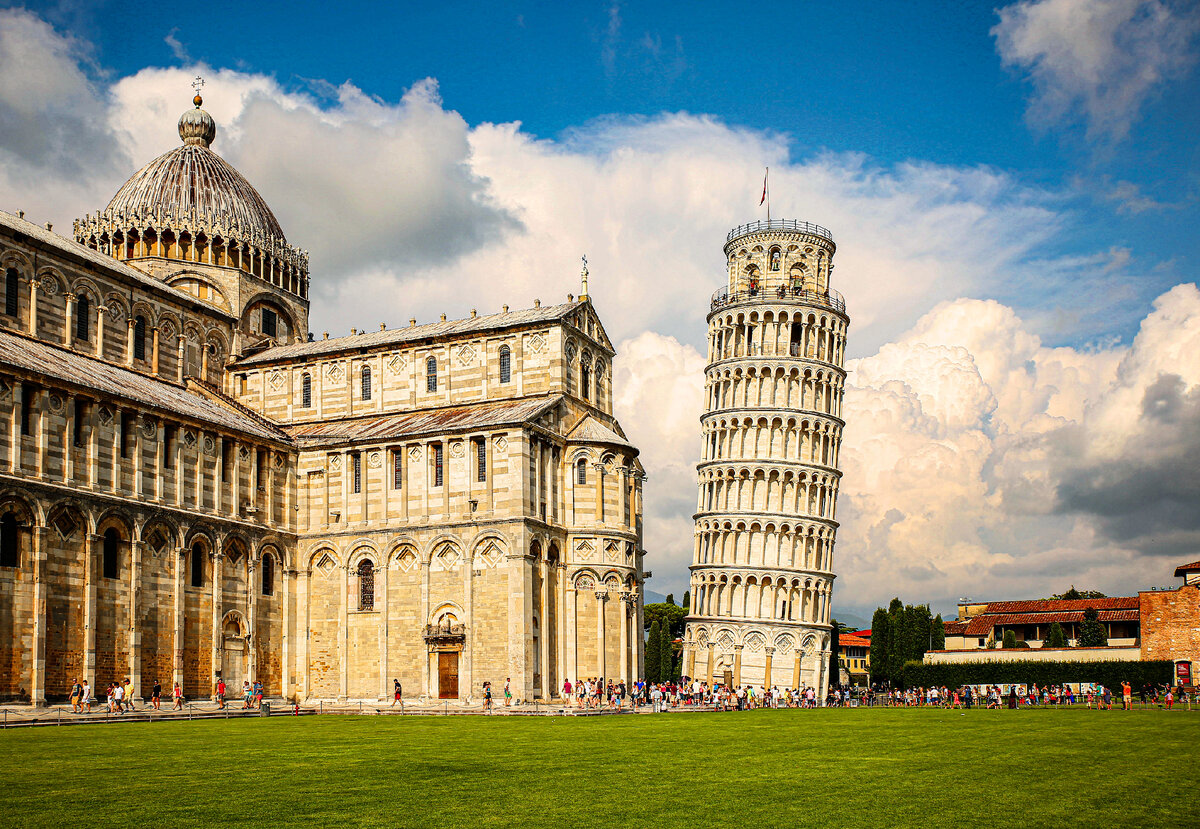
421	422
955	628
400	336
865	634
1059	605
983	624
591	430
71	248
849	640
90	374
1182	569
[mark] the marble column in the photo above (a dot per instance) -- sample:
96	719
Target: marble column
37	690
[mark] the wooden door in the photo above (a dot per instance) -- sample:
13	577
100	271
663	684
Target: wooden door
448	675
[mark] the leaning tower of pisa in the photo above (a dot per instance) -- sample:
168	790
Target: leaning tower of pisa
762	570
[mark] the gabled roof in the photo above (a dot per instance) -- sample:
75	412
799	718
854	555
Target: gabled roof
1062	605
71	249
591	430
983	624
421	422
956	628
849	640
90	374
374	340
1184	569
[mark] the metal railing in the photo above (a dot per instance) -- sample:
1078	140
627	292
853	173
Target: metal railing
828	298
779	224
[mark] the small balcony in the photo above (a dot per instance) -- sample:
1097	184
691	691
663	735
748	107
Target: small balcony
448	634
798	296
778	224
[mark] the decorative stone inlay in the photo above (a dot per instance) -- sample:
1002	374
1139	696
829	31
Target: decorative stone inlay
326	565
398	363
585	582
584	549
456	449
5	390
56	403
210	445
167	330
415	453
189	439
335	372
536	343
149	428
276	381
105	415
466	354
375	460
335	462
65	524
244	452
501	443
406	561
115	311
49	285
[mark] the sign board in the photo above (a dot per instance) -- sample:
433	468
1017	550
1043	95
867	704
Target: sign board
1183	673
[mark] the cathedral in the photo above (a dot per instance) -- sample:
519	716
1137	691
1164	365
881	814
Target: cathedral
193	487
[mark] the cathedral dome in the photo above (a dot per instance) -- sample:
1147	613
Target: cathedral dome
191	205
191	181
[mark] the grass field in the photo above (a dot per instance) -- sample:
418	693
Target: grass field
838	767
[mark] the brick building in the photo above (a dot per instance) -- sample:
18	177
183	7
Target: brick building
191	487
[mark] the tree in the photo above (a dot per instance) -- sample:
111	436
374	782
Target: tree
879	645
1055	638
653	652
670	598
687	601
896	639
1079	594
666	655
1010	639
1091	632
939	634
835	675
667	615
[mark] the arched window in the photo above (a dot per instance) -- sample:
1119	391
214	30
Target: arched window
268	575
431	374
581	471
112	549
139	338
82	312
306	391
505	364
12	286
197	565
585	381
366	585
10	541
366	382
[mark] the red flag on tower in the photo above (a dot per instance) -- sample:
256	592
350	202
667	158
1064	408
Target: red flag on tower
764	195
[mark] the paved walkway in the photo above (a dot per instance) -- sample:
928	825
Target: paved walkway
17	715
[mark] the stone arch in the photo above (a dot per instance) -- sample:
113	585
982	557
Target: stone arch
361	551
235	617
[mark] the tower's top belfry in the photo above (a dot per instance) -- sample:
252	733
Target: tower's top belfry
766	256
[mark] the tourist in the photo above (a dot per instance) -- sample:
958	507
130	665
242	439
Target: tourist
220	693
76	694
1170	698
396	693
507	692
127	695
247	695
656	699
259	690
566	690
155	695
177	696
1126	696
487	697
85	697
1106	697
115	693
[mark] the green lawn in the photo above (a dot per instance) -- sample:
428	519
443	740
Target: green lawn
896	767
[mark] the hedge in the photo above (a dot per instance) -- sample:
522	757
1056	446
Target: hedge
1026	672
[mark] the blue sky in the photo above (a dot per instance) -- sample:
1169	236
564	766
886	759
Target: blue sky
1014	187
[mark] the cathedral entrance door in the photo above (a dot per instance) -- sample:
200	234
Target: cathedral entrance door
448	675
232	665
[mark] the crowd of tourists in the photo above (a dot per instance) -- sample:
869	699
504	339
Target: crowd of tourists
119	697
1091	695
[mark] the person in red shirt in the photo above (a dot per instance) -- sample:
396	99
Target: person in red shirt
220	693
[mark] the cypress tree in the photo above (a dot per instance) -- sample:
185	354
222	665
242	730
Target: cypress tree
1055	638
687	601
666	656
670	598
835	674
939	633
880	626
898	641
1091	632
653	652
